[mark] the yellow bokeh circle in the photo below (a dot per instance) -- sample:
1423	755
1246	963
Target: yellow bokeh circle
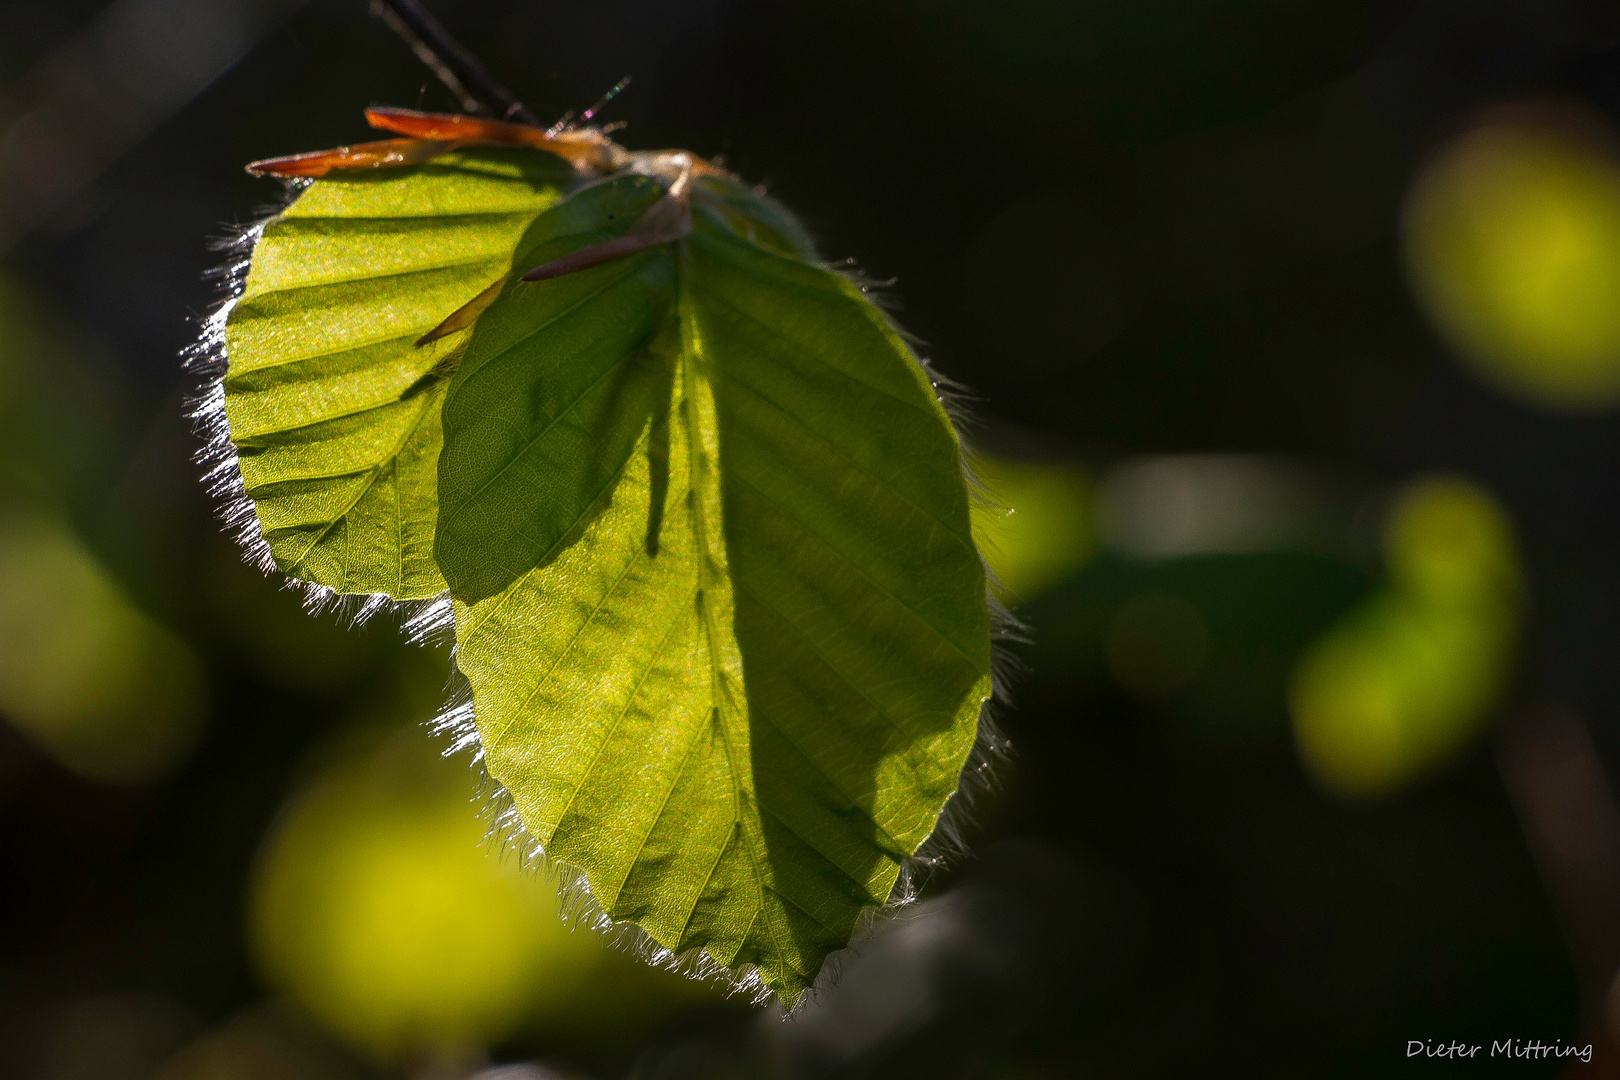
377	905
1513	245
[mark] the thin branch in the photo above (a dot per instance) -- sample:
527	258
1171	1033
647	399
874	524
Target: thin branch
457	68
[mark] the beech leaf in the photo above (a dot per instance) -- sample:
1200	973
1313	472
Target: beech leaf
702	517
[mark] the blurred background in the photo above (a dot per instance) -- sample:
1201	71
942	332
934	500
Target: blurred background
1293	336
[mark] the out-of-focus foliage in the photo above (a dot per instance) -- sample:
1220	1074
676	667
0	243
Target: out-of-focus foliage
99	686
1409	677
56	419
84	674
1212	572
1179	505
1207	640
379	906
119	1036
1513	240
269	1042
1033	524
1156	644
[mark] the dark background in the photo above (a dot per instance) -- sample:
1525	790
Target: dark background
1206	197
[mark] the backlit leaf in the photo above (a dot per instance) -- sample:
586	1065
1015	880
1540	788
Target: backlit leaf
333	410
556	388
700	511
736	683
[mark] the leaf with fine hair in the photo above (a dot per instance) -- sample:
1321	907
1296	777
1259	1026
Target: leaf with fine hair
332	409
701	513
716	593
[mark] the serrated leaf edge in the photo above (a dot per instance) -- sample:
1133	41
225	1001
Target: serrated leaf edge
205	362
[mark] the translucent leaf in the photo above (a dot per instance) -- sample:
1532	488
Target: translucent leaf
702	515
332	408
717	596
557	387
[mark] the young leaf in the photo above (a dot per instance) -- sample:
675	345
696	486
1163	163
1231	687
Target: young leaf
333	410
717	598
701	514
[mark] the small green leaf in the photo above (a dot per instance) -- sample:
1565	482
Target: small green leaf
332	408
740	645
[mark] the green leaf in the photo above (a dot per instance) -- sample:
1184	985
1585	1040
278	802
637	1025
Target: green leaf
557	387
332	409
701	513
716	593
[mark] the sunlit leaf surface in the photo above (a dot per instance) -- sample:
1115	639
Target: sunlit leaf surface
332	407
701	512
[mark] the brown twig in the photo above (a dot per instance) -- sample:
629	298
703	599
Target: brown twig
457	68
1558	788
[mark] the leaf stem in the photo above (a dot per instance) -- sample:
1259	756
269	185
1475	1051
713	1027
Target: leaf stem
447	58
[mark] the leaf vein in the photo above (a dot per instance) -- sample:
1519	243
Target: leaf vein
842	677
290	292
555	420
669	793
630	564
475	627
371	478
697	896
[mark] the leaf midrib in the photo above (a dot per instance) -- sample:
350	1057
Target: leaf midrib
753	843
371	476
